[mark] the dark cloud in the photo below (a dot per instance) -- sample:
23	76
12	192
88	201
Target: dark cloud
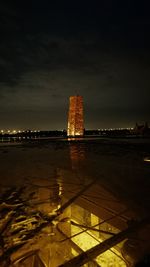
49	52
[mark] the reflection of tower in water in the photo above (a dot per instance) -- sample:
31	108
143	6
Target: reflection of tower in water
77	155
56	189
48	193
77	158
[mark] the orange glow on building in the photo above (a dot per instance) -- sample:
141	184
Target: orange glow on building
75	118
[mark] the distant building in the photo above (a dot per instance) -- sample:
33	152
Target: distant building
75	117
141	129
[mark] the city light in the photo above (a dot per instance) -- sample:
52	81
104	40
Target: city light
147	159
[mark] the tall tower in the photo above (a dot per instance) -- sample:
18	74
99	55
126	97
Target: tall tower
75	118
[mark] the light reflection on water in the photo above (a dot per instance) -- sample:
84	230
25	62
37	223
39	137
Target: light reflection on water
52	237
77	155
70	223
68	234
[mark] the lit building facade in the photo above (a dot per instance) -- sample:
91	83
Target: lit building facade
75	118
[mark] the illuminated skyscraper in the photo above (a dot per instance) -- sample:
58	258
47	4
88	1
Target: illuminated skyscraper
75	118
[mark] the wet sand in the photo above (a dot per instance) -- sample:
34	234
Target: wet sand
50	173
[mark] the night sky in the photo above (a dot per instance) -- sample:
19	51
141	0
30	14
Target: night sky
51	51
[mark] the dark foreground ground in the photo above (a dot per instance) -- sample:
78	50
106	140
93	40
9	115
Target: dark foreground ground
60	198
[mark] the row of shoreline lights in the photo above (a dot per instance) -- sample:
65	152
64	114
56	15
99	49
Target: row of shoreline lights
18	131
35	131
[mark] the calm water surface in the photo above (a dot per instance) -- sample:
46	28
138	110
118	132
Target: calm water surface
88	193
